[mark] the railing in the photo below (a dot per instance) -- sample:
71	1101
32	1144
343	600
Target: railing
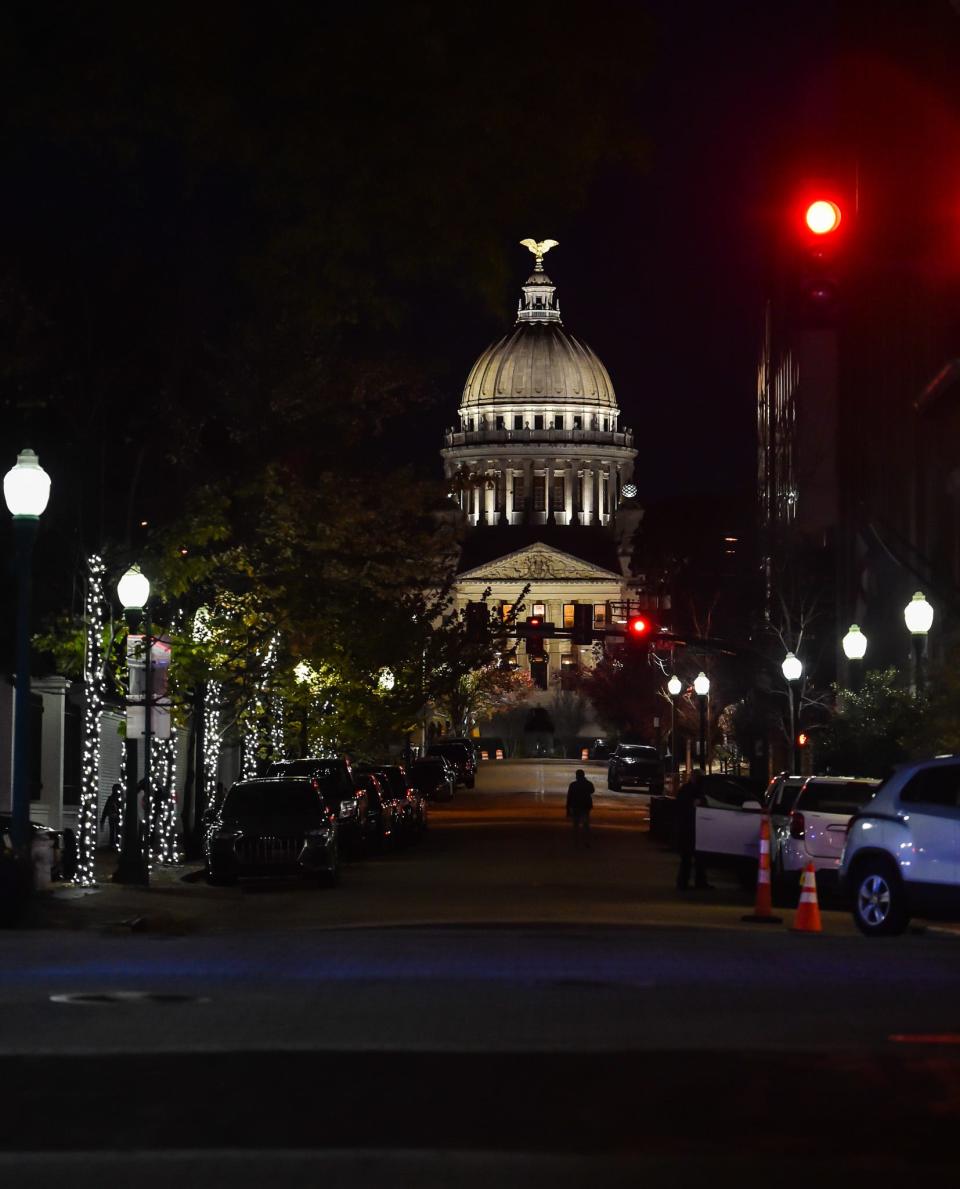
483	437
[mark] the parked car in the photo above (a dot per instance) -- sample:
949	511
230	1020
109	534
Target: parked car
728	823
461	755
412	804
902	852
339	788
383	808
815	829
636	764
434	778
276	827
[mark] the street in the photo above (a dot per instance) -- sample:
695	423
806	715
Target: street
492	955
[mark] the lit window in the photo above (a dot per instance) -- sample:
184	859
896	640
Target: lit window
539	609
505	610
568	616
600	615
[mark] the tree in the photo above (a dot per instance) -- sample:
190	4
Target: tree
873	728
568	712
482	693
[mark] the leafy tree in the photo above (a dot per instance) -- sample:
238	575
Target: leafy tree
482	693
568	712
873	728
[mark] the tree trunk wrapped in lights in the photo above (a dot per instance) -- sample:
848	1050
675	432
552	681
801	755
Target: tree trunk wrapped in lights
162	813
89	814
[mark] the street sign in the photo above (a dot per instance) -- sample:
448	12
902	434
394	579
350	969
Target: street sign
160	653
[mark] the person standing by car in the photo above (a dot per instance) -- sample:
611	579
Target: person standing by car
688	798
579	805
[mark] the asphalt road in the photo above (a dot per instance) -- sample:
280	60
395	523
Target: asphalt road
490	995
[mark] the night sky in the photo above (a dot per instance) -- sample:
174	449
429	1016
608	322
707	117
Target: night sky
211	205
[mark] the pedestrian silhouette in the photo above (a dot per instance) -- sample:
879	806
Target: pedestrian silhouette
688	798
111	815
579	805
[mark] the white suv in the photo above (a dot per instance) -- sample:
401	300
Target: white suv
902	855
814	828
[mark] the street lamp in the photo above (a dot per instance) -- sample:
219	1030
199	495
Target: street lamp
26	488
854	645
674	689
792	669
133	590
918	616
701	687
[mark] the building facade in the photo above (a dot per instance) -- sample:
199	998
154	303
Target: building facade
541	467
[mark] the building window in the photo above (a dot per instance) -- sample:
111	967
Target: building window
497	484
558	421
538	421
499	423
606	424
603	494
505	610
518	421
539	609
518	493
578	423
568	616
539	493
600	615
558	495
569	670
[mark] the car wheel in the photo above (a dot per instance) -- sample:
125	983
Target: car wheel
879	900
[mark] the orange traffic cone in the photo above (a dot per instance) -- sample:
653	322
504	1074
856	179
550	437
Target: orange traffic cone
807	919
763	910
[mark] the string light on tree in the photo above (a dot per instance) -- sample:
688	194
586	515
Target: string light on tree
93	680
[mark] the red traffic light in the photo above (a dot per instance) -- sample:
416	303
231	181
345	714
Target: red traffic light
822	216
803	739
638	626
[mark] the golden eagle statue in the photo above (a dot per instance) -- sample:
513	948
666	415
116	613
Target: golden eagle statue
539	250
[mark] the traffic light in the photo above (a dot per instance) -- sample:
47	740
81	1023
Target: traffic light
803	739
639	628
582	623
533	630
822	220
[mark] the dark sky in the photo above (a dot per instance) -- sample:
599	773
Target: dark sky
201	202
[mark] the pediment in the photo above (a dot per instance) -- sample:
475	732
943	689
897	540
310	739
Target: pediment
539	563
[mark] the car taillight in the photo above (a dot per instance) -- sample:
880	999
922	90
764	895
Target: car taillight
797	824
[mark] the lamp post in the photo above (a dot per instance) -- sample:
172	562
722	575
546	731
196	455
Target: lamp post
918	616
26	489
674	689
792	669
701	687
854	645
134	592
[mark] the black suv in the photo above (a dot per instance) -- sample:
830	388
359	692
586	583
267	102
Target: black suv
635	763
339	789
463	758
273	826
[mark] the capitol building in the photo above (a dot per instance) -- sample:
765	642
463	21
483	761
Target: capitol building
542	469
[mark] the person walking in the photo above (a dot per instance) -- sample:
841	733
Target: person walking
579	805
111	815
688	798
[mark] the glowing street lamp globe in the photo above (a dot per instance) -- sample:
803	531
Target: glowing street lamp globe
918	615
386	681
792	667
854	644
674	686
701	684
134	589
26	487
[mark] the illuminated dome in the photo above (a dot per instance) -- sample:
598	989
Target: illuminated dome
538	361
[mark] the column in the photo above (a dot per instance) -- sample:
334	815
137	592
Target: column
509	491
502	490
53	690
596	495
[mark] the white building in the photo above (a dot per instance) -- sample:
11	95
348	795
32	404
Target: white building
542	467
